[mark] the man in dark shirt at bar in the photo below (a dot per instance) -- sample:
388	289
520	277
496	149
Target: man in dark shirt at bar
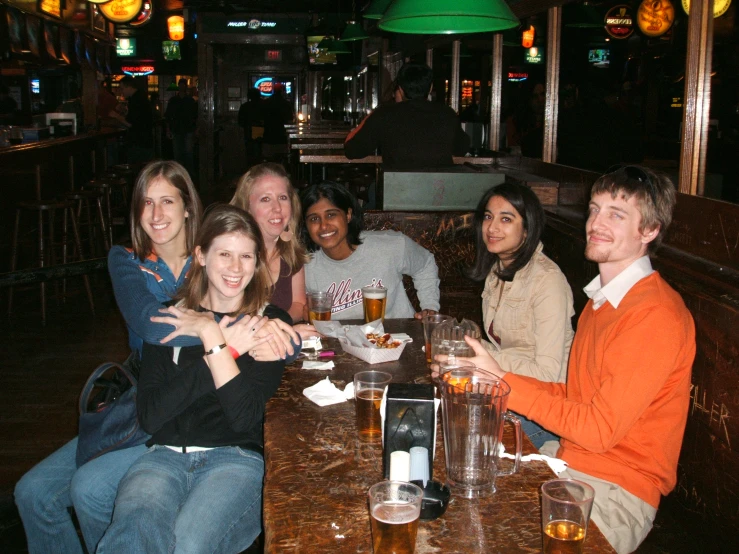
412	133
140	123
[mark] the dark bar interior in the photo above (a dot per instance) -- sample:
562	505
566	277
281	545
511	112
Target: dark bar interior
567	92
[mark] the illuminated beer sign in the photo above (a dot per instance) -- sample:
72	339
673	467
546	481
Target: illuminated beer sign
265	86
719	7
125	47
534	55
138	70
252	24
619	22
655	17
121	11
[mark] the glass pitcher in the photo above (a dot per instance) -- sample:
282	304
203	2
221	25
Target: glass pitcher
474	407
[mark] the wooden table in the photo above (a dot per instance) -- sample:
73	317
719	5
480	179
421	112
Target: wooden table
318	473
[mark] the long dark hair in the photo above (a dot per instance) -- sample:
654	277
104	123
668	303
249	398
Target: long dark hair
179	178
340	197
222	219
529	208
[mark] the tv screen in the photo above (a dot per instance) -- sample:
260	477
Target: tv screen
171	50
599	57
318	55
35	86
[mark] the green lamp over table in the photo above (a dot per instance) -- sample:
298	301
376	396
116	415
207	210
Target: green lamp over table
353	31
376	9
445	17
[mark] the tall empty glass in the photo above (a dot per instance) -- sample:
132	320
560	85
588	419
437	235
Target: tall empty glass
430	322
473	410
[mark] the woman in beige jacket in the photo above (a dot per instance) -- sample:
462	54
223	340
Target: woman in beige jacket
527	302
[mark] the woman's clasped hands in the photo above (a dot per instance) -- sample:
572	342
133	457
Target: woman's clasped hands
263	338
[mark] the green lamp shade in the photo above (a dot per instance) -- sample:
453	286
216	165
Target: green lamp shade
338	47
511	38
446	17
376	9
173	87
353	31
325	43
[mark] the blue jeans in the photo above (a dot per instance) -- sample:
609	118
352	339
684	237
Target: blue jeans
45	494
199	502
537	434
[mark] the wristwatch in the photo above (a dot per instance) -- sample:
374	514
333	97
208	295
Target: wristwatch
216	349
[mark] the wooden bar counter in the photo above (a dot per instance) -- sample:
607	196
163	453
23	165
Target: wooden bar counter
318	473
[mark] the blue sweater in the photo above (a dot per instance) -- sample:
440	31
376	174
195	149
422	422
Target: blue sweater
142	288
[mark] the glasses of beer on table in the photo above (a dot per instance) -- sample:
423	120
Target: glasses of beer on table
565	513
374	300
368	389
430	322
395	507
319	306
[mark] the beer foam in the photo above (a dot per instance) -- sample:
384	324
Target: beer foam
395	512
372	295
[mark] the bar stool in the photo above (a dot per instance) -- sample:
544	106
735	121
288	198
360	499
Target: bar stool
105	185
82	199
46	248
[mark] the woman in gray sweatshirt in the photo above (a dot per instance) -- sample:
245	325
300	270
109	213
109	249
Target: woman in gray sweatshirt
345	258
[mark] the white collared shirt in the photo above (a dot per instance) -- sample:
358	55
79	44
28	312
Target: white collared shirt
621	284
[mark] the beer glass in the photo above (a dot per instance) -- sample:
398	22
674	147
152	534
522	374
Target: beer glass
368	389
319	306
565	513
374	300
395	507
430	323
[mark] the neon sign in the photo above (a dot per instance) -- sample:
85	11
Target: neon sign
138	70
264	86
252	24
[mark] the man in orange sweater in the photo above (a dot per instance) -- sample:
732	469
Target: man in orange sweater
622	413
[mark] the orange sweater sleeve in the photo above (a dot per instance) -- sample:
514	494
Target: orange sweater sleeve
613	379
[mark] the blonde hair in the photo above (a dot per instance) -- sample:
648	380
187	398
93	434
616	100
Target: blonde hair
222	219
179	178
292	251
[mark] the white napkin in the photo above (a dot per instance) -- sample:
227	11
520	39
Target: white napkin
349	391
324	393
318	365
555	464
312	343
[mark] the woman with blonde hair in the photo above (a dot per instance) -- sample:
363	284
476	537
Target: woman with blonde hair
266	193
199	486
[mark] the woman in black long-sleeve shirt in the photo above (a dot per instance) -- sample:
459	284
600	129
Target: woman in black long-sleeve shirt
199	486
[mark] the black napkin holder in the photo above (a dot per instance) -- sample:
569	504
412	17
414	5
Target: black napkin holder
409	421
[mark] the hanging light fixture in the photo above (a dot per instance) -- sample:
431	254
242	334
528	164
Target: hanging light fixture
446	17
325	43
338	47
376	9
176	27
353	31
510	38
528	37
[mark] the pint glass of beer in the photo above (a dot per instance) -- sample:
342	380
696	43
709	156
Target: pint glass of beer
395	507
375	300
319	306
368	389
565	513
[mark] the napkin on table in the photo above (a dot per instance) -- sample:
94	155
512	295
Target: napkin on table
317	365
555	464
324	393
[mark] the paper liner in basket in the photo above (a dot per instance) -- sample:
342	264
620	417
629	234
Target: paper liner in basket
353	339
